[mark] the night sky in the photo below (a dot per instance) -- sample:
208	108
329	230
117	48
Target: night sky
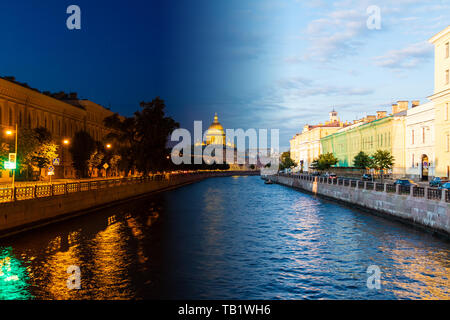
258	63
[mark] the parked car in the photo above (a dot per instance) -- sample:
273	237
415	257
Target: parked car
367	177
444	186
330	175
436	181
405	182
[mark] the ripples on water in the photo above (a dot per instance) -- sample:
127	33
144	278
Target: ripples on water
226	238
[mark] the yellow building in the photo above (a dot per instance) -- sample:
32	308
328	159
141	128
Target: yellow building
61	114
369	135
441	100
306	146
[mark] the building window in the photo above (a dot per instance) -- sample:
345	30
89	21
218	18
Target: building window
423	135
446	111
412	136
446	77
412	165
446	50
448	142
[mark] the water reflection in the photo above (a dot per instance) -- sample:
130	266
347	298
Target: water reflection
225	238
13	277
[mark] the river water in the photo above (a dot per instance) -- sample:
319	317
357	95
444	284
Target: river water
226	238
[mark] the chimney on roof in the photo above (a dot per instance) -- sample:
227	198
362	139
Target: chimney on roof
10	78
73	96
370	118
415	103
399	106
381	114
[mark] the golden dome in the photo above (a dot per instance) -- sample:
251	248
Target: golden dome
216	126
215	133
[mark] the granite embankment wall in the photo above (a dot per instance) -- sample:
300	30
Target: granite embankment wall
433	215
21	215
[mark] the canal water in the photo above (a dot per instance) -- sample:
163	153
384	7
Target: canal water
226	238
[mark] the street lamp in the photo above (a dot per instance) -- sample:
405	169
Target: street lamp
9	132
65	142
108	146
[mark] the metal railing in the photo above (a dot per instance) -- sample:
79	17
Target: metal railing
391	188
26	192
434	194
419	192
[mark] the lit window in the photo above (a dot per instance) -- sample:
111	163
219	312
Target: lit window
446	77
447	50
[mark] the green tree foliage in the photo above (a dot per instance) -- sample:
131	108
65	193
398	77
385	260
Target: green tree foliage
324	162
45	151
141	140
382	160
81	149
362	160
285	161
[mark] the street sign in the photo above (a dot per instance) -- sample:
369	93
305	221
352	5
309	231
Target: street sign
12	157
106	166
51	170
10	165
55	162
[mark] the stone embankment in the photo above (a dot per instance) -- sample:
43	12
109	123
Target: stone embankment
422	206
28	207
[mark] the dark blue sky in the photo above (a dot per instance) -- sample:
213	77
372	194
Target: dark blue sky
258	63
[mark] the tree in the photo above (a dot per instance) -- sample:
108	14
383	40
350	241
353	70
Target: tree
286	161
125	140
45	150
81	149
114	163
324	162
381	160
153	128
141	140
95	161
362	160
27	144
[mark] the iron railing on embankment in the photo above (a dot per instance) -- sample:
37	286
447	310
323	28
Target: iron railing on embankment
413	191
27	192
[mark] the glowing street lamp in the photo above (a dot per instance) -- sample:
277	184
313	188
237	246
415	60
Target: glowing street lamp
66	141
10	132
108	146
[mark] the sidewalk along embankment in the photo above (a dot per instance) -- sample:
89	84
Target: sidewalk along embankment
424	207
31	207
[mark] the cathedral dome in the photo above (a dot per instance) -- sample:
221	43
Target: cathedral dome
215	133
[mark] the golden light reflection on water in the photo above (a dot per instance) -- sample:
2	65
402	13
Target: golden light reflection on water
427	272
110	263
54	272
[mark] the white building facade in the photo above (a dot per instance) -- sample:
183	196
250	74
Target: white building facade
420	142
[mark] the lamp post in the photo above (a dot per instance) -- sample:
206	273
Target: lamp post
65	142
9	133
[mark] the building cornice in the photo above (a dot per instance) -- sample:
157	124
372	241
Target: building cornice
439	35
440	94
